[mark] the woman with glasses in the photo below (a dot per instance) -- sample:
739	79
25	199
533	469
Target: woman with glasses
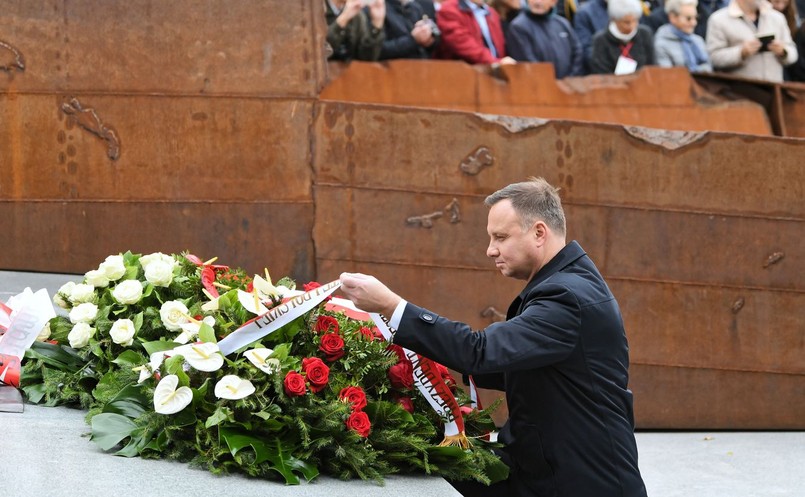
675	43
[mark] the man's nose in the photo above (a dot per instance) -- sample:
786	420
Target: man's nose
491	251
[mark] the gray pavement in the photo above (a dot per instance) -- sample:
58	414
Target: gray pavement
43	452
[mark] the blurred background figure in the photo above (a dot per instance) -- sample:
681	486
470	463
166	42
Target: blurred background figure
676	43
591	17
789	9
472	32
507	10
355	32
410	29
624	46
537	34
734	43
658	16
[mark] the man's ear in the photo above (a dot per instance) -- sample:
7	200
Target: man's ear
540	230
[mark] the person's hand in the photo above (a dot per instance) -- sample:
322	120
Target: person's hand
507	61
423	34
750	47
377	13
350	10
369	294
777	48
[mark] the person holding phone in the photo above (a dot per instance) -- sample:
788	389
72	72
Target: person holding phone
748	38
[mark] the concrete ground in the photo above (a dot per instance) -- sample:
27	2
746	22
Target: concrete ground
43	452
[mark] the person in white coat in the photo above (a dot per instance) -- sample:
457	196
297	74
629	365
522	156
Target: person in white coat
748	38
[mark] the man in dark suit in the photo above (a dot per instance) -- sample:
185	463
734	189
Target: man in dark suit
561	355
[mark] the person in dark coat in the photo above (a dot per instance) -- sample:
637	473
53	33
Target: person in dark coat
561	356
591	17
409	31
354	32
624	46
537	34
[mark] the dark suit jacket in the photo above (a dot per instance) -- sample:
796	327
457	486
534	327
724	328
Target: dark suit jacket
563	359
400	20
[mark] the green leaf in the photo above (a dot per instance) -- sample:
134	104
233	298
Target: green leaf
220	415
34	393
207	334
138	321
57	356
109	429
281	458
128	359
159	346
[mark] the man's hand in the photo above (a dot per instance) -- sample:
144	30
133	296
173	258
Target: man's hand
777	48
423	34
750	47
350	10
369	294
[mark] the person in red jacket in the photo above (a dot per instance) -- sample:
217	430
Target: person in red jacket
471	32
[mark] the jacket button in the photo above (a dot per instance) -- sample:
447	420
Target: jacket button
427	317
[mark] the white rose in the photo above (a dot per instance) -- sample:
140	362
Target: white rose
147	260
96	278
82	293
122	332
80	334
113	267
173	314
44	334
128	292
83	313
64	292
159	273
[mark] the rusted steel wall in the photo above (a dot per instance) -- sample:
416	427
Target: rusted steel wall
158	126
702	249
653	97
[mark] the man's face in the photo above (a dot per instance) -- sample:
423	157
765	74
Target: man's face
627	23
541	7
514	251
685	20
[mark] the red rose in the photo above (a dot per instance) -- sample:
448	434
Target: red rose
332	345
406	404
367	333
466	409
317	373
294	384
398	351
355	396
311	286
326	323
377	333
402	375
359	422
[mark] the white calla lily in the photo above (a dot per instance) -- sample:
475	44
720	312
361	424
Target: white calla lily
212	305
168	399
190	330
251	303
233	388
203	356
148	370
259	357
264	288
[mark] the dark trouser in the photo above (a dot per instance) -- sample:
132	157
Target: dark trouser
471	488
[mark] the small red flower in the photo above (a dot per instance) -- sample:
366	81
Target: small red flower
401	375
398	351
366	332
332	345
326	323
406	404
310	286
317	373
359	422
355	396
294	384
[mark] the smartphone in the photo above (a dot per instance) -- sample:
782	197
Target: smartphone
764	42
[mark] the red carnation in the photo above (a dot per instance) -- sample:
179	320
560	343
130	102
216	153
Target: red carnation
406	404
332	345
366	332
317	373
355	396
294	384
326	323
359	422
311	286
402	375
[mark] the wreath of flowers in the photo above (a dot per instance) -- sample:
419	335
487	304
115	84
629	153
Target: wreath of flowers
324	394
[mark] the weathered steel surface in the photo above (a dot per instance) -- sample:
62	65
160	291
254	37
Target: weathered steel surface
74	236
653	97
190	148
708	271
254	47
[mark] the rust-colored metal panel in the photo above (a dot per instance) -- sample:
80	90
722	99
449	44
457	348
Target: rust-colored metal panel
654	97
74	236
698	398
248	47
457	153
166	148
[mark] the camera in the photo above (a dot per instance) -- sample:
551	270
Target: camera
434	28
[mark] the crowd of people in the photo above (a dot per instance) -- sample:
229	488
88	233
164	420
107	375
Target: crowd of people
753	39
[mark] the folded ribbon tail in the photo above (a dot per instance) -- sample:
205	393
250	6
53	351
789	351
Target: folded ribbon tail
459	440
